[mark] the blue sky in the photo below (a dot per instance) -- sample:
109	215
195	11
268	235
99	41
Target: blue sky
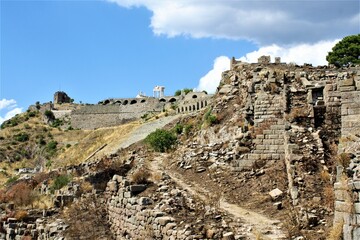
99	49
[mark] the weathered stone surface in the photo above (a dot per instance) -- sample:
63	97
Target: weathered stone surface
275	193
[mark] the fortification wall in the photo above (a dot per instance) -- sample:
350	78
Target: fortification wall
135	217
116	111
347	186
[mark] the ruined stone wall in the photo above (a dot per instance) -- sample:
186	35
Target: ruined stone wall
113	112
135	217
347	186
96	116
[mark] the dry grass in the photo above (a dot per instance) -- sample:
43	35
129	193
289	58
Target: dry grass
20	215
89	141
141	176
43	202
259	236
328	196
86	187
336	231
297	113
343	159
325	176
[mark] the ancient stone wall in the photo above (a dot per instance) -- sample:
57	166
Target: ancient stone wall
347	186
113	112
135	217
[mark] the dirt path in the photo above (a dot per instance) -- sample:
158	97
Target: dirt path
256	223
138	132
145	129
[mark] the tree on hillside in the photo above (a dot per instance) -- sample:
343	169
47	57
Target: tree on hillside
345	52
185	90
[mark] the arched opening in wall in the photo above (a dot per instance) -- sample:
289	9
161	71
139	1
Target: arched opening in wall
186	109
143	100
194	96
125	102
133	102
162	100
197	106
107	101
182	109
201	104
205	103
172	100
117	102
178	110
194	108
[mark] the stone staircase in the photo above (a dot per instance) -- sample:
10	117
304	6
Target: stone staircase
269	128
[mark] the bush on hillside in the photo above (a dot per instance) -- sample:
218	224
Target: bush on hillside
59	182
161	140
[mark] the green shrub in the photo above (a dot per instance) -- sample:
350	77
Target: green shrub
57	123
50	148
31	114
178	128
177	93
22	137
49	114
188	128
59	182
210	119
161	140
11	180
42	140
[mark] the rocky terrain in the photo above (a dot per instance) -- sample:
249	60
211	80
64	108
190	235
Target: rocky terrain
260	162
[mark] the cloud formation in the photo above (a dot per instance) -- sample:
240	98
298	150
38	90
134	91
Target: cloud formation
300	54
8	109
262	21
211	80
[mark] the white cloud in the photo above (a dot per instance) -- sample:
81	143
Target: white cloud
4	103
300	54
264	22
211	80
8	109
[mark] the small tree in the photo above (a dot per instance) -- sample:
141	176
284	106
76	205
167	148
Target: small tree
161	140
345	52
49	114
185	90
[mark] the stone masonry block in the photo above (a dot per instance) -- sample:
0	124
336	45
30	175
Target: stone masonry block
341	206
268	132
266	156
164	220
268	142
342	195
357	208
274	136
347	89
260	136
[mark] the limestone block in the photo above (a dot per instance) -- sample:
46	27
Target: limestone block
275	193
341	206
342	195
356	233
357	208
347	89
228	236
346	83
127	194
164	220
